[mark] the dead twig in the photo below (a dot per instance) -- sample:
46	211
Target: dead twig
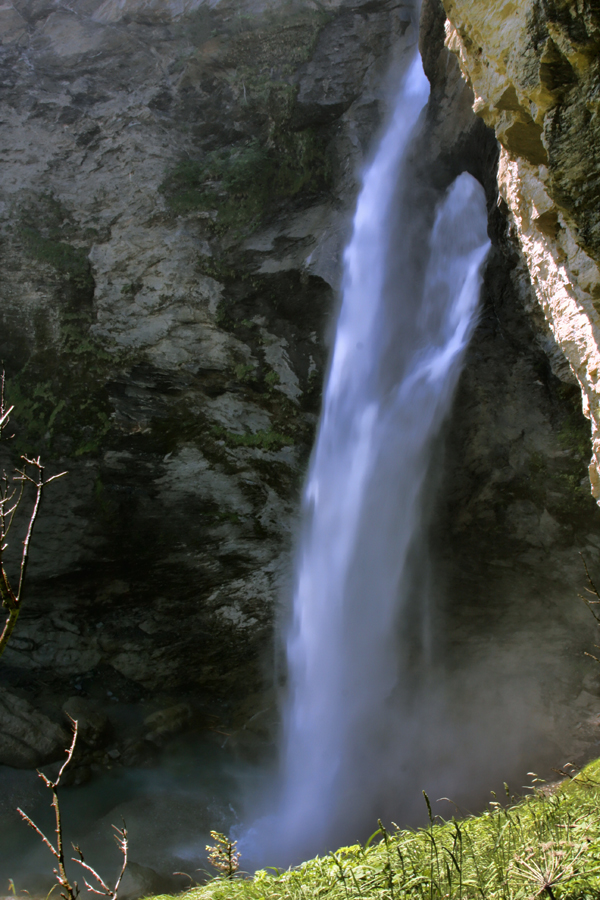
12	492
122	844
591	590
71	891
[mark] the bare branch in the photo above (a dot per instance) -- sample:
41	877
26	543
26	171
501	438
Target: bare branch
591	590
41	833
588	603
10	514
70	751
105	888
9	625
11	497
27	541
594	589
92	889
4	416
55	477
122	843
71	891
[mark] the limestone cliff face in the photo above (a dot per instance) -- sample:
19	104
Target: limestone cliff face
176	187
534	68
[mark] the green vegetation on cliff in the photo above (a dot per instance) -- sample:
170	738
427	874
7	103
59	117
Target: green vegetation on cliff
270	157
242	182
546	845
58	387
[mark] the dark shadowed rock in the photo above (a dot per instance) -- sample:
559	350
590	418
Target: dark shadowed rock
28	738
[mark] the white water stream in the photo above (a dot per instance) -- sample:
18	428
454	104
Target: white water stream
402	331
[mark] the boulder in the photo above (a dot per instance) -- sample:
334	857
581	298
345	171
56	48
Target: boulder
141	881
160	725
28	738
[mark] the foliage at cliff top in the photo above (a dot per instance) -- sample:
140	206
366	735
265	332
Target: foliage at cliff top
545	845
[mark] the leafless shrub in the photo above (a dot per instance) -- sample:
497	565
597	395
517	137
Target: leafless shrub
71	891
12	497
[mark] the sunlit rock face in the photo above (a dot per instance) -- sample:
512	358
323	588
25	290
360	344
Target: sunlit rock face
176	190
511	508
535	69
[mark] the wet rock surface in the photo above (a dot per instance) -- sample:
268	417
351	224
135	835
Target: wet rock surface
514	511
176	190
28	738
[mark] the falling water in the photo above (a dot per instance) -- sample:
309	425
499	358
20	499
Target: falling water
407	314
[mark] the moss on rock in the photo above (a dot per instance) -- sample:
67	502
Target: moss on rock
245	182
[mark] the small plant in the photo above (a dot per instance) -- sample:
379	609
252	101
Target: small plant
245	373
546	868
223	855
261	440
272	379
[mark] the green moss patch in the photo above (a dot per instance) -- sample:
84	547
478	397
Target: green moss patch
262	440
252	61
244	182
50	236
58	384
70	262
61	404
285	33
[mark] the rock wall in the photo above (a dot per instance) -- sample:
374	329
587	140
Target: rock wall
176	188
534	68
512	509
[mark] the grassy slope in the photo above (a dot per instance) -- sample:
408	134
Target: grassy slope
546	845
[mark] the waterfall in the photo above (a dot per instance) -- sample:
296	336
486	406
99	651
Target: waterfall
408	309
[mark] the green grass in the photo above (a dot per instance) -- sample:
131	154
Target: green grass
546	845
